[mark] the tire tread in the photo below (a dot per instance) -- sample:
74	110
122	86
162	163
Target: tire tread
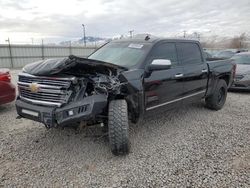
211	101
118	127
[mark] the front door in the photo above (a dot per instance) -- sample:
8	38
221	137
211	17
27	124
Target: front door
164	87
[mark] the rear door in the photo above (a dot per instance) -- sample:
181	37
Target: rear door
163	87
195	69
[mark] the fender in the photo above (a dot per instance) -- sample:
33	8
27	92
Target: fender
133	92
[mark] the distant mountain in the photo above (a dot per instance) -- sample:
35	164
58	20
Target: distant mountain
90	40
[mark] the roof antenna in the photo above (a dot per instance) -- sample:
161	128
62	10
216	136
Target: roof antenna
147	38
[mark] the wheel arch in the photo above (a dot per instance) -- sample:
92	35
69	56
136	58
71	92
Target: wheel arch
225	77
135	105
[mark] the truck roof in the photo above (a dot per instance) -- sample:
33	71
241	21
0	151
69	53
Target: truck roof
153	39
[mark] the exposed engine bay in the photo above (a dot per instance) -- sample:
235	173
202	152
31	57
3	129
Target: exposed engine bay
103	84
88	84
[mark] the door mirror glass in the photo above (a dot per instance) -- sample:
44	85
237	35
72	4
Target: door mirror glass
160	64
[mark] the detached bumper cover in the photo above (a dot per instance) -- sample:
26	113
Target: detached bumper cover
86	109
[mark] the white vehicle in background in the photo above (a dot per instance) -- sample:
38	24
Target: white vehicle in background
242	77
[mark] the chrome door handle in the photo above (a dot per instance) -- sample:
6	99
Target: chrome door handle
178	75
204	70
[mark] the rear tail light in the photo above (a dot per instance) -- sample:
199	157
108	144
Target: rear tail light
5	77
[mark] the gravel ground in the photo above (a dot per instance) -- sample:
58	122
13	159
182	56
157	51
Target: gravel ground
188	147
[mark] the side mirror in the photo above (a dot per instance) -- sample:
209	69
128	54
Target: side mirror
159	64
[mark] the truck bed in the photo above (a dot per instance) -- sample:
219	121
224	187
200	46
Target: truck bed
219	68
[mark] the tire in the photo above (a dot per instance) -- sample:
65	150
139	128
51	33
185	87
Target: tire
217	100
118	127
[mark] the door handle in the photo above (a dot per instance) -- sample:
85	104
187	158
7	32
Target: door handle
178	75
204	70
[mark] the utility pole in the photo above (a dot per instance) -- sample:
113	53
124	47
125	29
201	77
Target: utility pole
199	37
70	48
42	50
11	59
131	33
184	33
84	36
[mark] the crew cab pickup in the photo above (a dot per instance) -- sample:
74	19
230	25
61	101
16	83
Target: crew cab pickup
121	82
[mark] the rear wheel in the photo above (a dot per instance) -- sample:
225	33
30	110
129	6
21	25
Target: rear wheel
217	100
118	127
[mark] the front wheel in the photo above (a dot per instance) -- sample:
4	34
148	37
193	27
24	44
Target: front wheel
217	100
118	127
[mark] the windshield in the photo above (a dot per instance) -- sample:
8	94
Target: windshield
126	54
242	59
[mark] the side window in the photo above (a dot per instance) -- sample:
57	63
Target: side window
189	53
165	51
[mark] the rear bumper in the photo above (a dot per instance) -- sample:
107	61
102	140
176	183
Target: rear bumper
7	93
84	110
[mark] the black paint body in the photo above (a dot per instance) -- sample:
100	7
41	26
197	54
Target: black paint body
147	90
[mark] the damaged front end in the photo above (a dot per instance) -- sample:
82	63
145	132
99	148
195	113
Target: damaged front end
68	90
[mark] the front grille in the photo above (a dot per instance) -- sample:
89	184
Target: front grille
49	91
46	81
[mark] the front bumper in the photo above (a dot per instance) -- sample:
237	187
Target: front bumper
239	88
86	109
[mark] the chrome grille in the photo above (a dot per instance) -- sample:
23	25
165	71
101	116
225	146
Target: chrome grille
43	80
51	91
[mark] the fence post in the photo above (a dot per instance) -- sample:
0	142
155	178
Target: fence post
11	58
70	48
42	50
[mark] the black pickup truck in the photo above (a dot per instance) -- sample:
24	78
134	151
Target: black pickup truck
121	82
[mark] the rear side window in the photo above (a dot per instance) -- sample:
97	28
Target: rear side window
165	51
189	53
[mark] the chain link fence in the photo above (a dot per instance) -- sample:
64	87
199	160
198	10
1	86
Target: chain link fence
17	56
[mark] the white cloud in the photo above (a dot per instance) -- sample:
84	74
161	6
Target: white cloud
56	19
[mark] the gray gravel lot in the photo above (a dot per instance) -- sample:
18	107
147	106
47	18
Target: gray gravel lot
188	147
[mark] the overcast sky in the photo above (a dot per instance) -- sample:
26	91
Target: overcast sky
56	20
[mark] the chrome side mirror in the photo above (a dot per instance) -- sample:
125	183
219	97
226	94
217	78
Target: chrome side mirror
160	64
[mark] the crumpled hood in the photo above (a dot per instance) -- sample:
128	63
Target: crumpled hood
242	69
58	65
49	66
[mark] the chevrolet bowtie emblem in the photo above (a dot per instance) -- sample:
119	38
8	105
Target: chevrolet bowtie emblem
34	87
